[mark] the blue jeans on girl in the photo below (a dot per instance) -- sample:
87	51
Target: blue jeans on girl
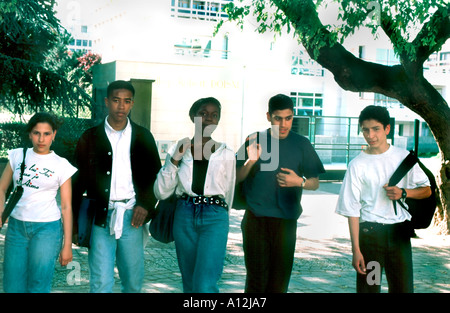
201	234
31	250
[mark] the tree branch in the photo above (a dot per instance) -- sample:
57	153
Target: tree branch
350	72
439	28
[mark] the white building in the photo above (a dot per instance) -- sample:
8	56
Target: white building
168	46
70	14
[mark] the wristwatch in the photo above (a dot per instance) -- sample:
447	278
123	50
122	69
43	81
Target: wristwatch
404	194
304	181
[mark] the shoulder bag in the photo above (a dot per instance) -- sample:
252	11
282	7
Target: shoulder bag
16	193
161	226
239	199
421	210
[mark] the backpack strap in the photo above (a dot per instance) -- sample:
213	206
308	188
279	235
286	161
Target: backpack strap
401	171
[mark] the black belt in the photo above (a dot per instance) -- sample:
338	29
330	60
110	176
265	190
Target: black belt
205	200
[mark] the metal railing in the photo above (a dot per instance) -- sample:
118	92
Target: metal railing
336	139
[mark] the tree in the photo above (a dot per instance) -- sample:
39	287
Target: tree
34	60
416	29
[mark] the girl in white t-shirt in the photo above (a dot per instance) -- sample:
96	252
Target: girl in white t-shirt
35	230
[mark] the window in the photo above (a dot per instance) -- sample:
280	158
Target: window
302	64
438	62
444	56
362	52
386	102
202	46
197	9
307	104
387	57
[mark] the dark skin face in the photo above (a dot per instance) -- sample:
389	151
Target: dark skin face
210	116
119	105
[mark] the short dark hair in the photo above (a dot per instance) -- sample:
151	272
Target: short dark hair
200	102
119	84
280	102
374	112
43	117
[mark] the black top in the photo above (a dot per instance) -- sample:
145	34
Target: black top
262	192
199	176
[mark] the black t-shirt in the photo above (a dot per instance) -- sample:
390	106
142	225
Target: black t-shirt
199	176
263	194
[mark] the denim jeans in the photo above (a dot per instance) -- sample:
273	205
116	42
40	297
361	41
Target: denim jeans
127	252
31	250
201	234
390	247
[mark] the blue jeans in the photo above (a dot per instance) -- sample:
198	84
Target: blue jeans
127	251
31	250
201	234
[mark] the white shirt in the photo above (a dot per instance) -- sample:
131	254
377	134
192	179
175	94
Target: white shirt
219	181
362	193
43	176
121	179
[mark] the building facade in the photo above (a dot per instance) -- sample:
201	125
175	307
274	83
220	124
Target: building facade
169	48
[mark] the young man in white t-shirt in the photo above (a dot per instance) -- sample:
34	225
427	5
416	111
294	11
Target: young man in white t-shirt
380	238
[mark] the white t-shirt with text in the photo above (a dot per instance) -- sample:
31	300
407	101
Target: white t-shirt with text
43	176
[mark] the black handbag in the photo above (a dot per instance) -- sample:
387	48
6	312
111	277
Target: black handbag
16	193
161	226
421	210
85	222
239	200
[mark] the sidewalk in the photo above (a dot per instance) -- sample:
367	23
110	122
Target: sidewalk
322	260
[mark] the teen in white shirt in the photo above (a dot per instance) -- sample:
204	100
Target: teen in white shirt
377	233
35	231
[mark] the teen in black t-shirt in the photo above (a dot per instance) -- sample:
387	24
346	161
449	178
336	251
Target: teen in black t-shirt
277	166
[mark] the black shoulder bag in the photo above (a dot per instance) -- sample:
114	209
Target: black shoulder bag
161	226
16	194
421	210
239	200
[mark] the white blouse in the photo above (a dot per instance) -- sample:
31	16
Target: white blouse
219	181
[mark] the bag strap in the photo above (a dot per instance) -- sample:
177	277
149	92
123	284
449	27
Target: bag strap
403	168
401	171
22	166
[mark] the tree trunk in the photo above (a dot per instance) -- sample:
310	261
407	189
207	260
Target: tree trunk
403	82
441	221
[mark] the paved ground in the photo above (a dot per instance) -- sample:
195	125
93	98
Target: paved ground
322	259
